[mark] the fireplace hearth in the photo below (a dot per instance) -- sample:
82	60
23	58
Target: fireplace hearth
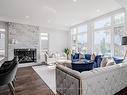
26	55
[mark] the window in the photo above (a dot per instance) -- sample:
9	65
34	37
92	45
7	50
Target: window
73	38
82	28
119	18
102	42
44	41
118	34
102	23
82	42
2	44
44	36
102	37
79	38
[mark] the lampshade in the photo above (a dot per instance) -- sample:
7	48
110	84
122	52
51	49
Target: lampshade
124	40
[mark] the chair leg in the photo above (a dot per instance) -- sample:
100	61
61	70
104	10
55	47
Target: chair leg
12	89
14	81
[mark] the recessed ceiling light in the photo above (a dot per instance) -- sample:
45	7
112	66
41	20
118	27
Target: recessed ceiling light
49	21
26	16
98	10
74	0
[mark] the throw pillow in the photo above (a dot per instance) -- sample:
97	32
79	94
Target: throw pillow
81	56
93	56
110	62
104	62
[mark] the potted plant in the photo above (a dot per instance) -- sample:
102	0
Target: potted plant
67	52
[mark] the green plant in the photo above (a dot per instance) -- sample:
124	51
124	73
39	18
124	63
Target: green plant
67	52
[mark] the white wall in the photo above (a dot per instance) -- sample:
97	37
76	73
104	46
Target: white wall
57	39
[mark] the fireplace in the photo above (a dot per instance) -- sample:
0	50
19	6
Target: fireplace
26	55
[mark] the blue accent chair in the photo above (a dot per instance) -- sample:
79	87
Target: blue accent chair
75	57
118	60
82	66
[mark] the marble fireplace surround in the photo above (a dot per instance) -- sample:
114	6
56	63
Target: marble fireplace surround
22	36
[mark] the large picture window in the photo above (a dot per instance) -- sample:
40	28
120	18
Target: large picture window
118	34
102	35
79	38
2	43
102	42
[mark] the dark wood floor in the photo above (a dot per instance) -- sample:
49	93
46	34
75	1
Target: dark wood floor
122	92
28	83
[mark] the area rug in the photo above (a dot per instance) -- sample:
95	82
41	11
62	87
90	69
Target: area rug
47	74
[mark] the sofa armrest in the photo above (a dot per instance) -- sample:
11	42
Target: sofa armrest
67	81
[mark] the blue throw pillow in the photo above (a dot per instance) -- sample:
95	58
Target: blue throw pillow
97	57
88	56
118	60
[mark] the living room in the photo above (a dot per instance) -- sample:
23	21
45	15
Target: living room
63	47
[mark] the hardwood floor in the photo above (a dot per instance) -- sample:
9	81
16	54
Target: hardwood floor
27	83
122	92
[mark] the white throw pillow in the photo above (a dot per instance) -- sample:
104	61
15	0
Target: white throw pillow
110	62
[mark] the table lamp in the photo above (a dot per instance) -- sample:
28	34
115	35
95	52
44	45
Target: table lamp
124	42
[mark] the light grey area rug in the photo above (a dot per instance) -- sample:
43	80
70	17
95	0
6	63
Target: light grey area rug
47	74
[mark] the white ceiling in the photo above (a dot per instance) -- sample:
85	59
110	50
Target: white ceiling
123	3
54	13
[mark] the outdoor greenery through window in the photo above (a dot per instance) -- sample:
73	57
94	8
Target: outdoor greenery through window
102	42
119	21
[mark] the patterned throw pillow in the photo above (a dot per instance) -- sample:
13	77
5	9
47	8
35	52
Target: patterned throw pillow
104	62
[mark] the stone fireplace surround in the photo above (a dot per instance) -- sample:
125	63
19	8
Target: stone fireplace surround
23	36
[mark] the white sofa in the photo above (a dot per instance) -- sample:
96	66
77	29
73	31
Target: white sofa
100	81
